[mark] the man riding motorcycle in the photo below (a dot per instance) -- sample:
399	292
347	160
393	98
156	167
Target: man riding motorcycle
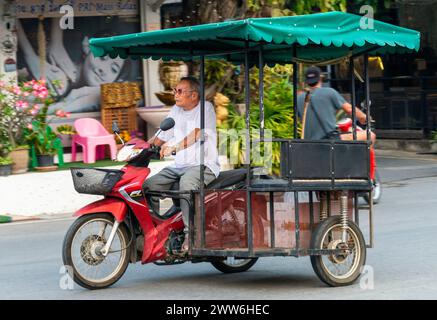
184	141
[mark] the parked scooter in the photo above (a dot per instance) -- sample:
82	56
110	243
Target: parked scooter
120	229
345	125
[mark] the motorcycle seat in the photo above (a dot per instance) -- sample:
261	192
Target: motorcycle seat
225	179
228	178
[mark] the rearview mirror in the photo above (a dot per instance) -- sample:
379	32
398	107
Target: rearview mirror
167	124
115	127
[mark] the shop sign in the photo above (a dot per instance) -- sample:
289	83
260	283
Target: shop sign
82	8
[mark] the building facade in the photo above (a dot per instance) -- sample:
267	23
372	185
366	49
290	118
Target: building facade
50	39
403	86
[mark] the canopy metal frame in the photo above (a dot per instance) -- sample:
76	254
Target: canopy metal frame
263	42
251	252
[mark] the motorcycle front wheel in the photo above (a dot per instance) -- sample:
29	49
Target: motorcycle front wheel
81	251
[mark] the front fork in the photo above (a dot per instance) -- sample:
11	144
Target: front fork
108	244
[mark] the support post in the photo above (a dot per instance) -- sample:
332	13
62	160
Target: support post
272	220
261	92
248	148
353	97
295	80
202	150
297	222
367	92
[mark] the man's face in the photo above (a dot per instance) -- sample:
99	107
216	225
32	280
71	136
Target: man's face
184	96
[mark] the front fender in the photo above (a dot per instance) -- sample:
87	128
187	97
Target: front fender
116	207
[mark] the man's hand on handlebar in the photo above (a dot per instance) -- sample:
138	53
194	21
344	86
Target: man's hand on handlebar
167	151
155	141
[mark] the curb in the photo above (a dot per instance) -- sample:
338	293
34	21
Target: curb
5	219
11	218
406	155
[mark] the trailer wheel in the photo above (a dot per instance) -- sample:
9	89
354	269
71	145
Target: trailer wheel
232	265
342	269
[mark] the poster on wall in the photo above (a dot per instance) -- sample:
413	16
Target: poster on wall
71	71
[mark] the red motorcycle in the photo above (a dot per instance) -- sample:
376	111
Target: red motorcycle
121	229
345	126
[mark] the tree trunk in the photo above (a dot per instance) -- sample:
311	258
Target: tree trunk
202	11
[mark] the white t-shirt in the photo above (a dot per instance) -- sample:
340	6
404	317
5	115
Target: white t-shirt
185	123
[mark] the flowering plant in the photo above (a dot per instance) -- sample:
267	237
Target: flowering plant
19	104
14	117
23	116
38	131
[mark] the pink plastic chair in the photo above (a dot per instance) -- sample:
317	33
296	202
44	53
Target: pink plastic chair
91	135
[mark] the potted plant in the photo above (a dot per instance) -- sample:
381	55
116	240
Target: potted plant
5	166
5	161
14	116
65	133
19	103
278	120
38	133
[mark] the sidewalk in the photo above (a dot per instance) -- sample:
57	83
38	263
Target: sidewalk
46	194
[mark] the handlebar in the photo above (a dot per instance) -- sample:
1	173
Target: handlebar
364	126
158	149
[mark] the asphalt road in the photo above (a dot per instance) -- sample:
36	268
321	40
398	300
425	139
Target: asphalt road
403	262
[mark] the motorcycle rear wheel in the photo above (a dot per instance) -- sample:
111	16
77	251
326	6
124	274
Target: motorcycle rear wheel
343	269
81	254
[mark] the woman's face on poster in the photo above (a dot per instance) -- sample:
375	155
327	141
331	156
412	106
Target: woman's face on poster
101	69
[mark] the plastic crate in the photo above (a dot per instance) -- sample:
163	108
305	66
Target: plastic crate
126	118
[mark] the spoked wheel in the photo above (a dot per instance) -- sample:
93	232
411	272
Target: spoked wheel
82	251
232	265
344	268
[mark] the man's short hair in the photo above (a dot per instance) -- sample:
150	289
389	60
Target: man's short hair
194	83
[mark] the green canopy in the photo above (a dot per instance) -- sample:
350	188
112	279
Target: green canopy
318	37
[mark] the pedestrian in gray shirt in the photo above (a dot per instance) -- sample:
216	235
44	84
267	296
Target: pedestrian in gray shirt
321	110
